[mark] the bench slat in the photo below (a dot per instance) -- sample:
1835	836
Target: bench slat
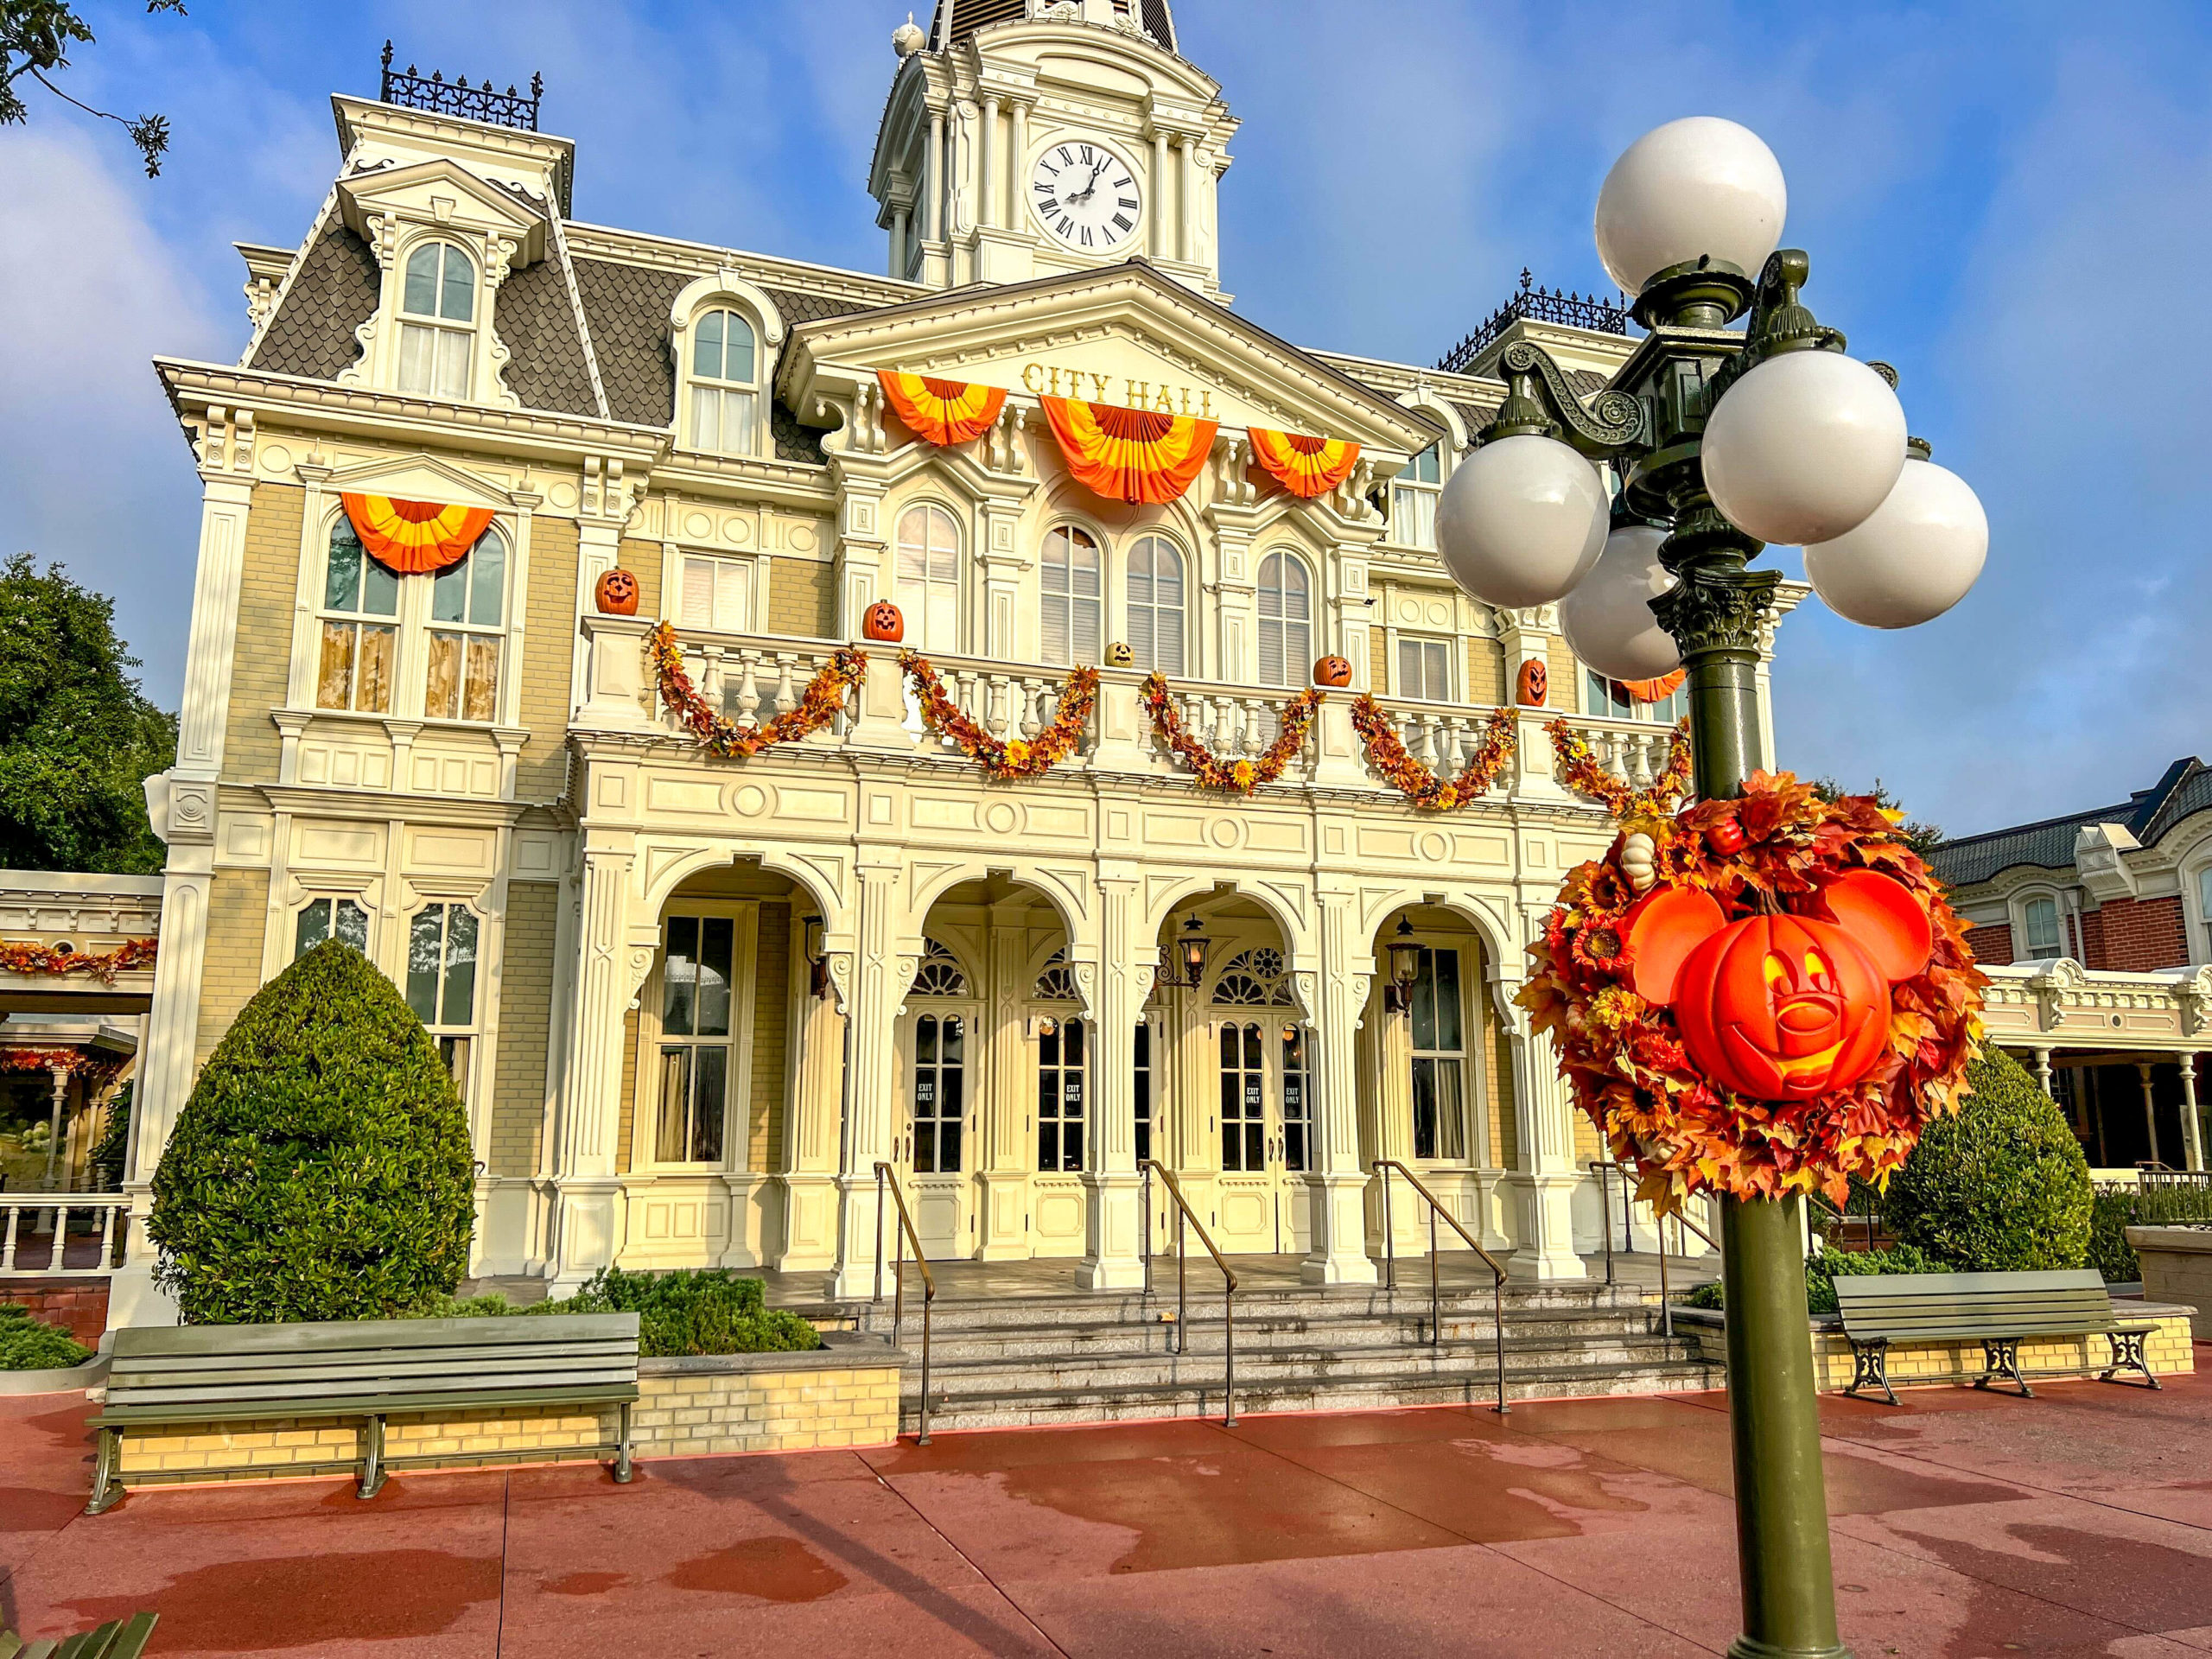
386	1404
250	1368
322	1337
307	1393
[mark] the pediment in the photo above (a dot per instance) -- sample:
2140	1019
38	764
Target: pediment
1124	335
443	192
418	477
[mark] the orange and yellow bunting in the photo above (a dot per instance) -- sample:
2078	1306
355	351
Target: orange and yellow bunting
941	412
1656	690
1305	466
1135	455
414	537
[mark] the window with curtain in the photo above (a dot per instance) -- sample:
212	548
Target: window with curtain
1424	669
1611	700
442	981
715	594
1439	1058
1073	614
468	619
343	919
697	976
437	308
360	628
2204	904
1413	499
1060	1097
927	587
1285	619
1155	601
2045	941
725	384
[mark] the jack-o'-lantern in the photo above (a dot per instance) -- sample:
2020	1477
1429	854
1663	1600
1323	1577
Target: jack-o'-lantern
1534	684
881	621
1120	656
1332	672
1782	1007
616	594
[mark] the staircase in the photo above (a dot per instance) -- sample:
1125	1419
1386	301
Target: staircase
1111	1356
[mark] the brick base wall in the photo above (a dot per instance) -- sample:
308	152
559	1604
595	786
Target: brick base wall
77	1306
1991	943
1920	1364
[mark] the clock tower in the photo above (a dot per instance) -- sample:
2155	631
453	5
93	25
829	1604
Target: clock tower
1028	137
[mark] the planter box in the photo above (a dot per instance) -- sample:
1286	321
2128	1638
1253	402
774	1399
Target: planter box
1920	1364
2177	1268
67	1381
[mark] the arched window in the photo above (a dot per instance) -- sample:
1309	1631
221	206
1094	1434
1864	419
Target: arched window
939	974
467	615
438	333
2044	940
1057	983
360	628
1156	597
725	384
1413	499
1612	699
927	586
1073	607
1254	978
1285	619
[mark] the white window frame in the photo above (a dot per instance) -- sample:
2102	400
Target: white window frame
737	426
1431	646
1073	605
332	924
1147	657
682	567
446	1033
2200	935
737	1081
931	604
725	291
1413	498
1597	692
2023	904
325	617
435	325
1296	664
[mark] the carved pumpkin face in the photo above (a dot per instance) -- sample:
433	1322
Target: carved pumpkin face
882	621
1121	656
1777	1008
617	593
1534	685
1332	670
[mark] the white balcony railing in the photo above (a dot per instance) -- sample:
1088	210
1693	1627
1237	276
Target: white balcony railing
57	1235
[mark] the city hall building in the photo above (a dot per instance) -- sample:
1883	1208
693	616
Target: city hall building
692	1001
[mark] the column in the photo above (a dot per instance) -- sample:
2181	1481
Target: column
1338	1185
54	1123
811	1126
1160	248
2043	1072
933	182
1110	1259
2150	1109
986	170
589	1191
880	981
2192	1122
1187	236
1544	1234
1017	157
1004	1158
901	219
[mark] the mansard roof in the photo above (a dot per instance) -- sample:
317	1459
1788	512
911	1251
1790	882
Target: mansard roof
2148	815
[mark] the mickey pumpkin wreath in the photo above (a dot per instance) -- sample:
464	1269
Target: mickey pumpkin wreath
1759	997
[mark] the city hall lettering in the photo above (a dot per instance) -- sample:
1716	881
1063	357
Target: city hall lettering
1047	380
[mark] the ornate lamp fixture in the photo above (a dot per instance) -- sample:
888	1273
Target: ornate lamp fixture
1405	968
1723	442
1183	964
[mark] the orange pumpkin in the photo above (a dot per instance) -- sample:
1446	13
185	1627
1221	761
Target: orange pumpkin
1534	684
1332	672
1777	1008
881	621
616	594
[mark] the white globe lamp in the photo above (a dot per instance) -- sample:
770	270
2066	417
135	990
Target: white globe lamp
1804	447
1912	559
1608	619
1695	188
1521	521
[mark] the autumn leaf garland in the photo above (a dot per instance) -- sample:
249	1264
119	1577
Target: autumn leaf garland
1014	757
1416	781
821	703
1238	777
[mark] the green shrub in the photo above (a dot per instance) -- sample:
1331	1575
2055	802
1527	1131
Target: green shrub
2110	1253
114	1144
28	1345
679	1314
1821	1272
2002	1187
321	1168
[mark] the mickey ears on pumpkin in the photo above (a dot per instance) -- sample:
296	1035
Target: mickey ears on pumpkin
1884	919
1662	929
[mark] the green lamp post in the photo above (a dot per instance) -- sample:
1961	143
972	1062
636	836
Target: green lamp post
1723	439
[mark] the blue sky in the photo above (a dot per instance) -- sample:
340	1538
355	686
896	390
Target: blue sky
2008	201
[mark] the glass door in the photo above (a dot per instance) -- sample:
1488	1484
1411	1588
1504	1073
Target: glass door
1266	1136
933	1152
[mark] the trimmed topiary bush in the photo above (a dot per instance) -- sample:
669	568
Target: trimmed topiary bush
1822	1271
321	1168
2002	1187
28	1345
2110	1253
679	1313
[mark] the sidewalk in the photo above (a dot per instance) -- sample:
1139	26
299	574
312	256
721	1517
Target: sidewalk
1965	1524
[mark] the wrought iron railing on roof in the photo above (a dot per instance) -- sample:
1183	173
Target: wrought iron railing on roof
1538	305
412	90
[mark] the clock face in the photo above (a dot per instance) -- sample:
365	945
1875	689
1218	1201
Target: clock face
1085	196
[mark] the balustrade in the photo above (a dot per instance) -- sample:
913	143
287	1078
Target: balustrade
55	1235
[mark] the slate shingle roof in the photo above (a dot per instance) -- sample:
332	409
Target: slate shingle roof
536	321
2147	815
626	310
333	293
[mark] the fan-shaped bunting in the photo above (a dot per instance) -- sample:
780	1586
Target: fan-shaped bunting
1656	690
1135	455
941	412
1305	466
414	537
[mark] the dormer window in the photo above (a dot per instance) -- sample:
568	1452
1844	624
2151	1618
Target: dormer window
1413	496
437	332
725	384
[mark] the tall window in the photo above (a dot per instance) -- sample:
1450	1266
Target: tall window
725	384
2045	941
1074	606
1060	1097
360	628
927	587
1297	1099
2204	904
467	604
1156	605
1440	1059
1413	499
340	919
696	972
715	594
441	981
1285	619
1424	669
1613	699
1243	1098
1143	1052
940	1092
437	307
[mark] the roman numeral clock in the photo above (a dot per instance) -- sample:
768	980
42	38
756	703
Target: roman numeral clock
1085	196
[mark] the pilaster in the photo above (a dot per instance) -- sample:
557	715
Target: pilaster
1542	1188
608	973
880	976
1113	1238
1337	1185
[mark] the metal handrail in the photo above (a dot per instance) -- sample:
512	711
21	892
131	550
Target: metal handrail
1184	1214
1603	1168
1383	1167
885	1175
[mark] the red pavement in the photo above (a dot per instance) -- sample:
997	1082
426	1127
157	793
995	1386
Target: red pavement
1965	1524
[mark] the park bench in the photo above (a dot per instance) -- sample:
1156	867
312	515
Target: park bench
1999	1310
369	1370
119	1639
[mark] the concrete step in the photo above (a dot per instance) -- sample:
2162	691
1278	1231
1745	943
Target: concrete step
1157	1335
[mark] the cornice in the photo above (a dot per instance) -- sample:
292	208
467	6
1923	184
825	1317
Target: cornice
379	806
590	241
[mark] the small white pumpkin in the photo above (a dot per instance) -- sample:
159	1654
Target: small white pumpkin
1639	862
